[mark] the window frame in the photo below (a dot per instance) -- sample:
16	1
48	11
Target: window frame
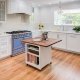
63	12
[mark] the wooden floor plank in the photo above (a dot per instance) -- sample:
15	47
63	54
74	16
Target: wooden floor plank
65	66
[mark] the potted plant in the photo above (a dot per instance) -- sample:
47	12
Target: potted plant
76	28
41	26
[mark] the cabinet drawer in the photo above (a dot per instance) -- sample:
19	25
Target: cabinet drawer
73	35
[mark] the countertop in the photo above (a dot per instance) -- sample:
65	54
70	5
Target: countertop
68	32
4	34
44	43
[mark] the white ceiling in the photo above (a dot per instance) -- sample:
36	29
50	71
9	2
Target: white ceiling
47	2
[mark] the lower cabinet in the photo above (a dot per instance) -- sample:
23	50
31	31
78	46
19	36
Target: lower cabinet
53	35
70	41
62	44
5	46
73	42
61	36
35	55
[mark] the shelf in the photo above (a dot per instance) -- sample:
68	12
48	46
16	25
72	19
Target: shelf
33	49
34	65
32	59
33	54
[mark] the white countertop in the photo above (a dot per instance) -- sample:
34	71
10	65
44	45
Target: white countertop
68	32
4	34
38	32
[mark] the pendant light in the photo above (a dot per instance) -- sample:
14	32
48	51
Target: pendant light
60	7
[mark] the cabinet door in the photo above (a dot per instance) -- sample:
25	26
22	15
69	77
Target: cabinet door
61	36
5	46
9	44
54	36
12	6
2	10
62	44
73	42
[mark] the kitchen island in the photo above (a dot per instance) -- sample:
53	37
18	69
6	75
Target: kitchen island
38	53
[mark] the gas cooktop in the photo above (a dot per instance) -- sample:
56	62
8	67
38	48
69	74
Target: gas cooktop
19	31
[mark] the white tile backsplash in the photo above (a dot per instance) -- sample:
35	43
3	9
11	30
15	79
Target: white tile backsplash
14	22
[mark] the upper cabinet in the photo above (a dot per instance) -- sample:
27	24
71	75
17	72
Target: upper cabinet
2	10
18	6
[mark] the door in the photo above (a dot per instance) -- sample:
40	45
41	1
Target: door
17	43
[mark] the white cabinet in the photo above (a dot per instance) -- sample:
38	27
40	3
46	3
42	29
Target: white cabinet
70	41
54	36
18	6
73	42
2	10
5	46
35	55
61	36
62	44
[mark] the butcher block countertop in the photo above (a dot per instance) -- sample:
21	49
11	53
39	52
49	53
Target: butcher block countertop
44	43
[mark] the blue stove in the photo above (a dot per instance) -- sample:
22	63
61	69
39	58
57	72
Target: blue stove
17	37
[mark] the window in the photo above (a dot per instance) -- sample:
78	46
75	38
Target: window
67	17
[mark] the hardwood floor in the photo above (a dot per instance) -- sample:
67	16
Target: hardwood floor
65	66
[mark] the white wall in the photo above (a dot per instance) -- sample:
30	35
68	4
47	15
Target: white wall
35	18
15	22
46	14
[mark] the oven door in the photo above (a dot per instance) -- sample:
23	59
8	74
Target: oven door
17	45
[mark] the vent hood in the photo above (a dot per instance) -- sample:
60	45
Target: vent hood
18	6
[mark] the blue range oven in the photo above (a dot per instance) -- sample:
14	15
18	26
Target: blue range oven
17	37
